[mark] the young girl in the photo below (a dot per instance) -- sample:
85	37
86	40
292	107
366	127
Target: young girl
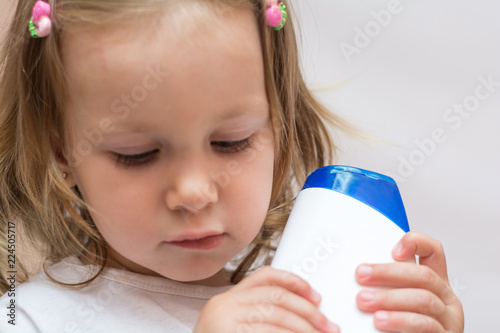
145	144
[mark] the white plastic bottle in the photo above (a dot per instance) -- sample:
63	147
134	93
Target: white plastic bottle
343	217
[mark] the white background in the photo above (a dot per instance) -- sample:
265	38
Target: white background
399	87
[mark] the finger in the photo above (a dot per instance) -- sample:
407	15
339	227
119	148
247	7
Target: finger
262	328
405	275
408	300
268	276
429	250
280	317
406	322
271	301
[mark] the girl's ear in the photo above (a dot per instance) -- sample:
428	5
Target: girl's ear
62	161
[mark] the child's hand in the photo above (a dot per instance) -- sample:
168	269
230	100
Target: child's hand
269	300
421	299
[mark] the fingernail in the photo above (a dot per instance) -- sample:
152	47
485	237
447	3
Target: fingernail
398	249
381	316
364	271
332	328
367	296
316	296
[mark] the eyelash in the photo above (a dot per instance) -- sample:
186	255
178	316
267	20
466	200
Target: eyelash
147	157
135	160
233	146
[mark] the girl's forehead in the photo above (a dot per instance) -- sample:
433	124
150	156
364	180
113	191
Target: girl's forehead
219	64
149	37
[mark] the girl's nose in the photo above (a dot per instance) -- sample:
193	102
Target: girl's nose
192	194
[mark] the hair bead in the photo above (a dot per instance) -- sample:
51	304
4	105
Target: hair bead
276	14
40	23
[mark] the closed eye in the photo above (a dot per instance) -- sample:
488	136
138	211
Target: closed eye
145	158
135	160
232	146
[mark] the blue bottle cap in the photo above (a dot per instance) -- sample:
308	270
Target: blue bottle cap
374	189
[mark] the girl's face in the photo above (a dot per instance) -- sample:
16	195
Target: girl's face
171	140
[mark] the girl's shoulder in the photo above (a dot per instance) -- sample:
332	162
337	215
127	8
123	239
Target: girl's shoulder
117	301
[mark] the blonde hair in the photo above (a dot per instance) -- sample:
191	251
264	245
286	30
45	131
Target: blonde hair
53	217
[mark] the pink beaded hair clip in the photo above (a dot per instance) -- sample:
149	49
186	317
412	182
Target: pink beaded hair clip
276	14
40	22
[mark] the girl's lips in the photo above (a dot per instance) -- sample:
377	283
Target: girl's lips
205	243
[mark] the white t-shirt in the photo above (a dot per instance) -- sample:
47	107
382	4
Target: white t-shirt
119	301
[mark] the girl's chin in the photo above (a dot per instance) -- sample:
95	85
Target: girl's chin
219	279
214	276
